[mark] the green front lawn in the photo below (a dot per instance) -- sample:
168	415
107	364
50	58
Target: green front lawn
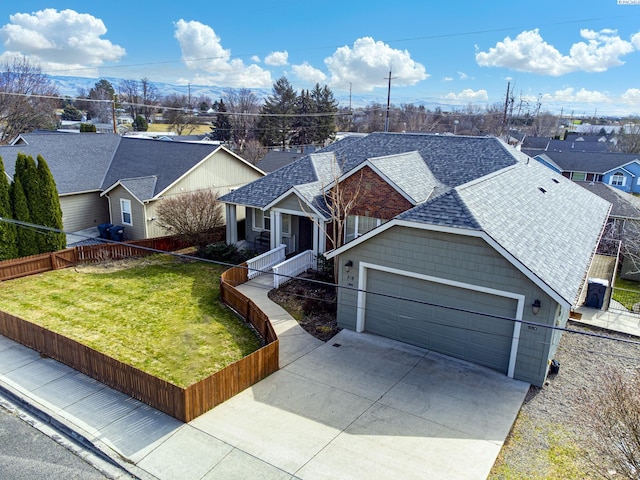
626	292
158	314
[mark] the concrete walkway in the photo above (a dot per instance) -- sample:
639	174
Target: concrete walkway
358	406
615	320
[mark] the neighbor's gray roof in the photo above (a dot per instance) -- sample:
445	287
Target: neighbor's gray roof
452	161
586	161
77	161
274	160
553	233
624	205
142	187
167	161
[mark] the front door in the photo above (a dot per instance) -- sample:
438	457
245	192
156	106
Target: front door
305	234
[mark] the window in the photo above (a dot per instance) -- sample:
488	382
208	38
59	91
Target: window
125	211
358	225
261	220
617	179
579	176
286	224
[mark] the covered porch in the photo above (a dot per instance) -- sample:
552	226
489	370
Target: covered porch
267	229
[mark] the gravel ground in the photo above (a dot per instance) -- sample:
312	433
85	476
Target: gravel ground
548	440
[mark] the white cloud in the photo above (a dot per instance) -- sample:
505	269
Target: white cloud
202	50
59	41
632	96
569	95
468	95
528	52
255	59
308	73
277	58
366	66
462	76
447	79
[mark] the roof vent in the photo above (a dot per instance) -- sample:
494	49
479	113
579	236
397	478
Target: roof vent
542	190
555	180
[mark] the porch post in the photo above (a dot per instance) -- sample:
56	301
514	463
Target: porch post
232	224
276	229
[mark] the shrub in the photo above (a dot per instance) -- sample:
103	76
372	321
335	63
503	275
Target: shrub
222	252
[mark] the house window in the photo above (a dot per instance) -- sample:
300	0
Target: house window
579	176
286	224
125	211
261	220
358	225
617	179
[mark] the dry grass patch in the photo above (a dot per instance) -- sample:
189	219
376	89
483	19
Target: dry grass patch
158	314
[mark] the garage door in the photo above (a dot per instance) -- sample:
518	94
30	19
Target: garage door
473	337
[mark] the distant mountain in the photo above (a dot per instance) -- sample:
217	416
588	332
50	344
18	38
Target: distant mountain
69	86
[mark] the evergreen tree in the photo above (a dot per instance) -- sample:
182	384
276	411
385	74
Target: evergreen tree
222	126
49	212
140	124
25	236
8	241
324	102
27	172
277	130
305	124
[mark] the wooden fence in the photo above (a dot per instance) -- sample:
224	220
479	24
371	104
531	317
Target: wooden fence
185	404
22	267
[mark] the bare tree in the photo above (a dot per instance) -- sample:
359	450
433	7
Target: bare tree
340	198
179	115
253	151
26	99
242	106
129	96
193	216
612	413
150	98
628	139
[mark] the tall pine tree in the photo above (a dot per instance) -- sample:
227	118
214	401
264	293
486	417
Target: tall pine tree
324	102
275	126
222	126
26	236
8	242
49	212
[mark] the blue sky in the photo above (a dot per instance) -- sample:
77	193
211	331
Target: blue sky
581	57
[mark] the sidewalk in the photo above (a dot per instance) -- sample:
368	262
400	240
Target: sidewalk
121	428
616	320
310	414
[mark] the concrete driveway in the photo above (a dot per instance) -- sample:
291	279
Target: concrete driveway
359	406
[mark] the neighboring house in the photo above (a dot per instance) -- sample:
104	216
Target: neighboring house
452	242
620	170
111	179
575	144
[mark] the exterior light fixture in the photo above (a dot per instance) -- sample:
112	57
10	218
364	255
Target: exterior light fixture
535	306
348	265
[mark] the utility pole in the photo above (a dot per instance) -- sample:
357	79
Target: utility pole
386	120
506	106
113	113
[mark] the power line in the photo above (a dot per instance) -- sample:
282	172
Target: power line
334	285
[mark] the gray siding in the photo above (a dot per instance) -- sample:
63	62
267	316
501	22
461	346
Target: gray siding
457	258
137	229
291	203
84	210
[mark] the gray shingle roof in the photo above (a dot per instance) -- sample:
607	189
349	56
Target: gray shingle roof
167	161
409	173
593	162
452	160
142	187
274	160
624	205
77	161
553	233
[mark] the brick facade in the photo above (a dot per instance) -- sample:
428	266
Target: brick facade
377	198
